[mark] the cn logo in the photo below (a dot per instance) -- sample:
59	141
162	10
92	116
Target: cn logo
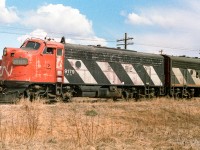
5	69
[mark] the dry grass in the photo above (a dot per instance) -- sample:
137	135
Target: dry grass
156	124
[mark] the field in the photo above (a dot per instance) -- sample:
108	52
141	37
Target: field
160	124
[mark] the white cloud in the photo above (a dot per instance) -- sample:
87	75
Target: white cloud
170	18
7	15
171	44
38	33
176	27
59	20
134	18
193	4
93	40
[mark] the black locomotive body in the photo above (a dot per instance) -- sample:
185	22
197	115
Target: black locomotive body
108	72
182	76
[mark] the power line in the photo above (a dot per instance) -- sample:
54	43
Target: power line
71	35
22	31
166	47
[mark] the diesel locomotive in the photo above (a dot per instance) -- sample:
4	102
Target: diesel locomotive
59	71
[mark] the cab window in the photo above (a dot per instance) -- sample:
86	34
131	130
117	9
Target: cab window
59	52
31	45
48	50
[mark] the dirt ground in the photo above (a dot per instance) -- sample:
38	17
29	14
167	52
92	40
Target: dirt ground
158	124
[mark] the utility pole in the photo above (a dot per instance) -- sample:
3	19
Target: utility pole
161	51
125	40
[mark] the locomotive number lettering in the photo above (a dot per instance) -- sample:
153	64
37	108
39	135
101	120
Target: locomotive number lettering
69	72
48	66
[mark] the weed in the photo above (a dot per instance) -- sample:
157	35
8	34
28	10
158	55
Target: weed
156	124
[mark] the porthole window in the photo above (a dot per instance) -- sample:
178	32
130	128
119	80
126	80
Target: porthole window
78	64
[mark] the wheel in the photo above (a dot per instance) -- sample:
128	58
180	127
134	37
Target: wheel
125	95
67	97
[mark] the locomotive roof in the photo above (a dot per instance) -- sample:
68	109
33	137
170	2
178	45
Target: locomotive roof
185	59
48	42
111	50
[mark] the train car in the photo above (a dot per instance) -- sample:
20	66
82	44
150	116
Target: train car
44	68
182	76
109	72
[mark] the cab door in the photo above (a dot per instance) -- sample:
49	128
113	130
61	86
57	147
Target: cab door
52	60
49	65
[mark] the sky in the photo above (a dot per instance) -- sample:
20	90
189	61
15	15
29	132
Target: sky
172	26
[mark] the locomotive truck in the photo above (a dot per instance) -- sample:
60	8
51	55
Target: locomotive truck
59	71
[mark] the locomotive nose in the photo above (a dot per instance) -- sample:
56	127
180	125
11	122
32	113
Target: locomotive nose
14	64
15	56
10	52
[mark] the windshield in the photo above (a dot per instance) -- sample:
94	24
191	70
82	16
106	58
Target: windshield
31	45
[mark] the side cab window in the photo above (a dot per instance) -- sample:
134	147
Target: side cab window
48	50
59	52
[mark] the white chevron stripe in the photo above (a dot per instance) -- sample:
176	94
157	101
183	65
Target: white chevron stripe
65	80
83	72
179	75
195	79
153	75
132	74
109	73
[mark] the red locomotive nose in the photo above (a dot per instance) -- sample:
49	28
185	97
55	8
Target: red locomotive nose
10	53
14	64
36	61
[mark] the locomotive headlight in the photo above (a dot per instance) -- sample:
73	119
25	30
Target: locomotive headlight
5	51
